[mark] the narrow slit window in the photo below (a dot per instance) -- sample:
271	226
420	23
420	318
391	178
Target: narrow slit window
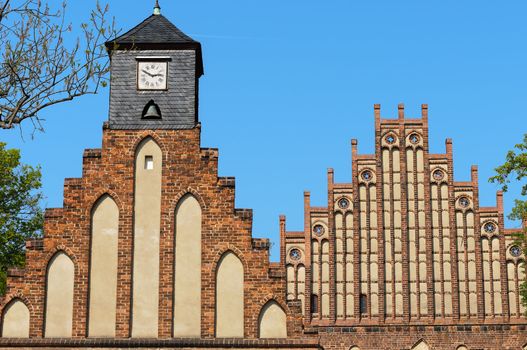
149	162
314	303
363	304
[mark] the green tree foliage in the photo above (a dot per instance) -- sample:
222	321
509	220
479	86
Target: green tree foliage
515	169
21	216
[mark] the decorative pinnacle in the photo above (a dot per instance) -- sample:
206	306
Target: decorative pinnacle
157	8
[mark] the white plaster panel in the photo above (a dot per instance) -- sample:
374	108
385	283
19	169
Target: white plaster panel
410	162
59	302
301	279
187	290
350	305
349	222
272	322
147	223
229	297
16	320
325	305
396	160
103	272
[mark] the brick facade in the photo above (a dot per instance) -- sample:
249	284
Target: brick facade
479	315
395	261
187	169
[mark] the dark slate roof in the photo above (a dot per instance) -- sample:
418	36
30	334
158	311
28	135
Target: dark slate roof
155	29
157	33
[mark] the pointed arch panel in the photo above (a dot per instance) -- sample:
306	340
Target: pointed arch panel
187	269
15	322
272	322
103	268
59	296
229	297
147	223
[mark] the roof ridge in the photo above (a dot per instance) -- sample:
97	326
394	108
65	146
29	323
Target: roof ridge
154	29
169	23
134	29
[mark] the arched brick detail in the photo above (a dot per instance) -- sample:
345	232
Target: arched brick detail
18	295
224	249
188	191
464	195
174	202
279	300
145	135
58	249
393	131
11	298
106	192
288	314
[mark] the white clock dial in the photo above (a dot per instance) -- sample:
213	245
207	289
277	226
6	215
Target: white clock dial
152	75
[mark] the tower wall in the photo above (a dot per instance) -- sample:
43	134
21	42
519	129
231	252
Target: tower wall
178	104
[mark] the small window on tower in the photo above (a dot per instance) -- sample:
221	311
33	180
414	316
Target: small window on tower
149	162
363	304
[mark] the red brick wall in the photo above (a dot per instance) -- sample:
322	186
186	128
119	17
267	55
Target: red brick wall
186	169
436	337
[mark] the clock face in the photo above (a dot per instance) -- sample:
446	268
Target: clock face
152	75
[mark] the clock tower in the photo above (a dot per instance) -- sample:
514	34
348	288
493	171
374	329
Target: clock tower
155	71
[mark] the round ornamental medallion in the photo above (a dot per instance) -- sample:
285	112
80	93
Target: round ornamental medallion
414	139
295	254
464	202
318	230
489	227
515	251
343	203
438	175
367	175
390	139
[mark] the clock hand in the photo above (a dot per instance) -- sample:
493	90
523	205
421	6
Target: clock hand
144	71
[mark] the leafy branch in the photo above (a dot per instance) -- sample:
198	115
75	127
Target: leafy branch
515	169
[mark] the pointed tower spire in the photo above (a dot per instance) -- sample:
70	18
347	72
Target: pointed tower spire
157	8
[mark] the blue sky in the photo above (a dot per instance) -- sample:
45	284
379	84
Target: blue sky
288	83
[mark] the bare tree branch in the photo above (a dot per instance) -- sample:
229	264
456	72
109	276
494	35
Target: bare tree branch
38	69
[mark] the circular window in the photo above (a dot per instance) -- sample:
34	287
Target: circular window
516	251
390	139
319	230
464	202
367	175
343	203
295	254
489	227
438	175
414	138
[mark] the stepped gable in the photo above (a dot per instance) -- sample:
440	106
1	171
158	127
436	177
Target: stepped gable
452	266
187	170
405	243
